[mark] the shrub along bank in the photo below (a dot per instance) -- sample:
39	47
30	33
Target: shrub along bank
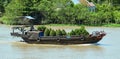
60	12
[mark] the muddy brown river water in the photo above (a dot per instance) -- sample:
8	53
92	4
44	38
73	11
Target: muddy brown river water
107	48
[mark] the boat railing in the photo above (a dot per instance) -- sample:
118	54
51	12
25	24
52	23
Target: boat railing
62	37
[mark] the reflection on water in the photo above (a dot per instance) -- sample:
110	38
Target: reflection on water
108	48
77	47
56	51
29	51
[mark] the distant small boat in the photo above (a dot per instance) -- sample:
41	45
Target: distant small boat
34	38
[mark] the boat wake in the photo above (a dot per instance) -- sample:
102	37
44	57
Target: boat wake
100	44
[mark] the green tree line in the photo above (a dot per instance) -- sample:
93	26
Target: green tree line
60	12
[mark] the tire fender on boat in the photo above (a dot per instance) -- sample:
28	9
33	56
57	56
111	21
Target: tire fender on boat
38	39
82	38
98	36
58	39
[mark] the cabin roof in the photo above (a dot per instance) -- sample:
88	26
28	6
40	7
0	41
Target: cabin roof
29	17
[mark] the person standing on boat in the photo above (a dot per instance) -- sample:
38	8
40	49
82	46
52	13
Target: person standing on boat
31	27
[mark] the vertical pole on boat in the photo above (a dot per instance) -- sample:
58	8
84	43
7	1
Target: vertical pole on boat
22	29
31	27
13	30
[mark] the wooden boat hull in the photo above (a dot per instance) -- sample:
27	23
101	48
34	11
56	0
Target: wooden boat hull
62	41
81	39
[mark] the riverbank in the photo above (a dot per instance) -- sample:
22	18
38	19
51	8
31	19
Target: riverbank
111	25
11	48
74	25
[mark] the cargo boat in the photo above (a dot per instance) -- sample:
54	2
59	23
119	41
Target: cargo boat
34	37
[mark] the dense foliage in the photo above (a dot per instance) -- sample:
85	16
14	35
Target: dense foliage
80	31
41	28
51	32
58	32
60	12
47	32
64	32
